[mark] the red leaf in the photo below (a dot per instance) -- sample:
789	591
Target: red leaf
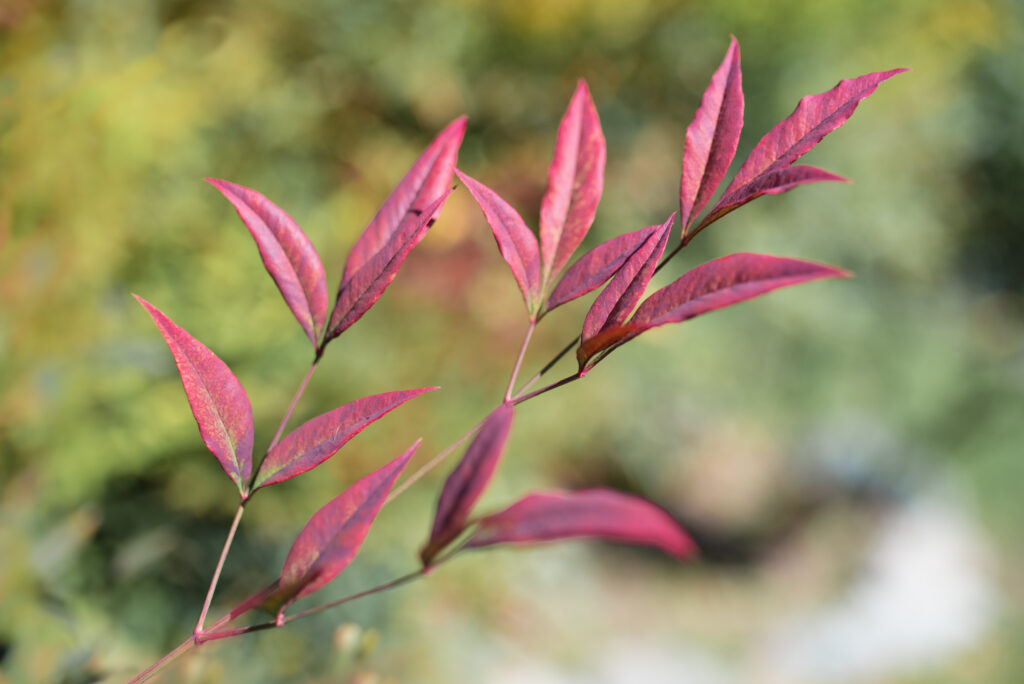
771	183
332	537
627	286
320	438
714	285
599	513
467	482
362	290
724	282
516	242
287	253
712	137
575	181
423	183
814	117
597	266
218	401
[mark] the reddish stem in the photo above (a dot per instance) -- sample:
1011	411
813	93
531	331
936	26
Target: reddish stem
220	566
291	406
519	359
542	390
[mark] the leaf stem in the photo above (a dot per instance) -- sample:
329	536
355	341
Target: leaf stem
519	359
431	464
220	566
564	381
291	406
183	648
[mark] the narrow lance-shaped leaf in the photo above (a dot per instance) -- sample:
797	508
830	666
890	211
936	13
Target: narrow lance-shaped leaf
320	438
575	182
468	481
715	285
365	287
516	242
712	137
595	513
425	181
596	266
814	117
287	254
332	537
773	183
218	401
613	306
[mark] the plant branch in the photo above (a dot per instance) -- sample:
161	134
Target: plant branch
564	381
431	464
291	406
219	568
519	359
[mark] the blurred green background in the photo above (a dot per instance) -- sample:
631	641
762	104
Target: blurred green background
849	454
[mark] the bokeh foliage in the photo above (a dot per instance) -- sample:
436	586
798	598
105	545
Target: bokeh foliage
111	113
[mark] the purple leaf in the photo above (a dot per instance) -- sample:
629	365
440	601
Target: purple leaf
712	137
715	285
320	438
596	266
814	117
423	183
598	513
287	253
332	537
218	401
467	482
365	286
516	242
616	301
575	181
771	183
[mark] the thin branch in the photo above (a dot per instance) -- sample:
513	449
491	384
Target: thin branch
217	570
564	381
519	359
382	587
291	406
431	464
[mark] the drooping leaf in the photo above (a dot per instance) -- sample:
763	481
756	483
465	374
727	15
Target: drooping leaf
712	137
467	482
613	306
597	513
772	183
575	182
814	117
596	266
715	285
287	253
362	290
218	401
516	242
425	181
332	537
320	438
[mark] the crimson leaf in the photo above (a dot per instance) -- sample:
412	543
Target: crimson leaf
575	181
613	306
467	482
814	117
598	513
773	183
424	182
715	285
362	290
320	438
516	242
596	266
332	537
287	254
218	401
712	137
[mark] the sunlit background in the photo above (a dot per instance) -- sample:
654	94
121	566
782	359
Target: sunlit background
849	454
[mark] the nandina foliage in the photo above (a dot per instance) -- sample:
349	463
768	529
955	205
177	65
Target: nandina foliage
624	264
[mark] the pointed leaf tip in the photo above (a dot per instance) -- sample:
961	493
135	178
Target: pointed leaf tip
320	438
516	242
468	480
712	137
287	253
218	401
333	536
575	183
597	513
